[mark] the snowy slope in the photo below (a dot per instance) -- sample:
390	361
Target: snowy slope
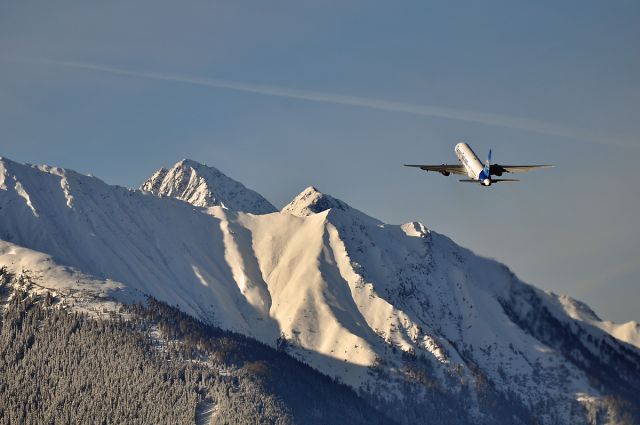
163	247
628	332
351	295
205	186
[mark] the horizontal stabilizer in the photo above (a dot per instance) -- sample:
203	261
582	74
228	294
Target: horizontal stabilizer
492	180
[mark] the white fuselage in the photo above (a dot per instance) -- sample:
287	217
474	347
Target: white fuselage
469	160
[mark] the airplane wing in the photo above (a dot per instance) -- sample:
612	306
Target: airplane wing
444	169
497	169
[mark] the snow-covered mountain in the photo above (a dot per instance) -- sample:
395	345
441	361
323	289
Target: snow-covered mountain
205	186
399	312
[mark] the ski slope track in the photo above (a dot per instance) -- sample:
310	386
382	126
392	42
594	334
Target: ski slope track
351	295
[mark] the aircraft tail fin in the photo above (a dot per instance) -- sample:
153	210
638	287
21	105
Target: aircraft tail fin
487	164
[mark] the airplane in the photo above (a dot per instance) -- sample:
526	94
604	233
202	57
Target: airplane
471	166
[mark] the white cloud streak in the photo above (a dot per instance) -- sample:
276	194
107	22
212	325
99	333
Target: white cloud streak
500	120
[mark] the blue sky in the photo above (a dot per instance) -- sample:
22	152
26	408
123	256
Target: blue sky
570	70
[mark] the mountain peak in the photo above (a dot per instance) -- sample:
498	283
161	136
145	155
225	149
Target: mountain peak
312	201
191	163
205	186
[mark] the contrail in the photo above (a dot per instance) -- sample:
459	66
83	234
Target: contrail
499	120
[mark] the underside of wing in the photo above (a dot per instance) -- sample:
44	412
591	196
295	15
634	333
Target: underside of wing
497	169
444	169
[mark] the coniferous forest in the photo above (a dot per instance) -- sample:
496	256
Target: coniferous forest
150	363
62	367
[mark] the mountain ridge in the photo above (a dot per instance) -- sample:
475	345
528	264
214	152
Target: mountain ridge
381	307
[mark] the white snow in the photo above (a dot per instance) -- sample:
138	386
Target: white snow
3	175
205	186
24	195
628	332
343	287
39	272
